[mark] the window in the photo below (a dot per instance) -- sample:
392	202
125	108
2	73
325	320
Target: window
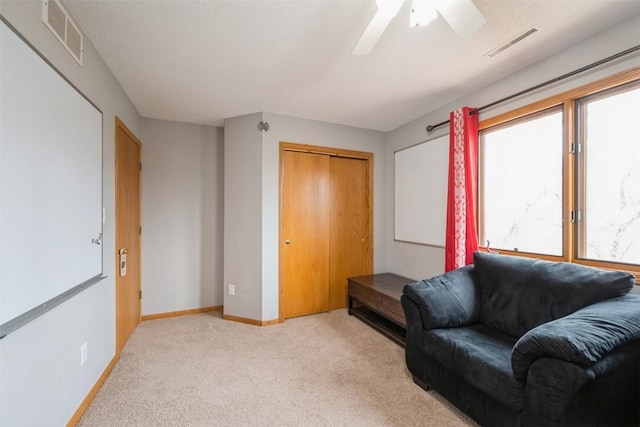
560	179
521	182
609	191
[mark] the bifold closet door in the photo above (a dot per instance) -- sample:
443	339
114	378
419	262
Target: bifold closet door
325	230
304	245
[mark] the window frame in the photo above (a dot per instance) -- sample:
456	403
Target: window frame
568	101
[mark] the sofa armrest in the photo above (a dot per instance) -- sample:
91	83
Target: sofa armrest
561	393
582	337
446	301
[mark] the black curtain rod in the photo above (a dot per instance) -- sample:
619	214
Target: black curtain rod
431	128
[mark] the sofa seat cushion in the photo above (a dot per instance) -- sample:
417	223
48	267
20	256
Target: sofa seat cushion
518	294
482	357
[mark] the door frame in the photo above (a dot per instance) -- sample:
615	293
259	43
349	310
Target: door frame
119	125
334	152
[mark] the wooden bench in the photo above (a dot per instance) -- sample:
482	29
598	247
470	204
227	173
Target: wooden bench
375	299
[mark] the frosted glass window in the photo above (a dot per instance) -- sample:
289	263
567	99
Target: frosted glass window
521	184
610	176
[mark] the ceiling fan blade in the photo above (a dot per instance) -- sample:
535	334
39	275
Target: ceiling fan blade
387	10
462	15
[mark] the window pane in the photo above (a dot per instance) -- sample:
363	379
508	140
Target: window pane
611	178
521	182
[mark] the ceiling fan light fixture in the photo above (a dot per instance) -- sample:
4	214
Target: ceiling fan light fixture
422	12
462	15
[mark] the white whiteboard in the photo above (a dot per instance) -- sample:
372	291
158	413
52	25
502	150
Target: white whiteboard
50	181
421	174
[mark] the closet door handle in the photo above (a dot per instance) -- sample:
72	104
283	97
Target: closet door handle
286	242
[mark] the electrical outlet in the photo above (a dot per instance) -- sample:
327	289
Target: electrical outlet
83	354
232	289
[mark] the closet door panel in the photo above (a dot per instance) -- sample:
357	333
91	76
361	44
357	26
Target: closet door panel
304	245
350	238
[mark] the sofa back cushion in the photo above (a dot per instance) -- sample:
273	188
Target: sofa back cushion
517	294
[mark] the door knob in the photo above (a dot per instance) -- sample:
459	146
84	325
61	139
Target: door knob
286	242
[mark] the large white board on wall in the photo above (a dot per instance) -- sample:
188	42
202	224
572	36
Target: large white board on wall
421	173
50	185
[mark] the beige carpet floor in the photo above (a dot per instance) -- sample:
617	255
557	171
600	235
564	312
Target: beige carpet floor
328	369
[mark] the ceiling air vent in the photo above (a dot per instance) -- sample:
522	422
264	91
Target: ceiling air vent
511	42
61	25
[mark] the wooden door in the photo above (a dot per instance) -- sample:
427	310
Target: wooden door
325	226
350	252
304	243
128	231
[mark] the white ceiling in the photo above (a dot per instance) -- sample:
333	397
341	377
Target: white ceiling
204	61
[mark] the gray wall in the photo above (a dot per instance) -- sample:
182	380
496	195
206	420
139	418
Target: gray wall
252	197
182	216
42	382
420	262
243	216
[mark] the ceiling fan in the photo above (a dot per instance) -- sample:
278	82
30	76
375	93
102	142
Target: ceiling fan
462	15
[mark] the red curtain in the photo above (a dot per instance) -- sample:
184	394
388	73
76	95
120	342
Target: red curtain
461	238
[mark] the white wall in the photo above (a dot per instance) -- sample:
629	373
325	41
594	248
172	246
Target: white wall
41	381
420	262
182	216
252	195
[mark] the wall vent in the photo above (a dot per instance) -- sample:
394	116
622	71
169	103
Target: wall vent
511	42
61	25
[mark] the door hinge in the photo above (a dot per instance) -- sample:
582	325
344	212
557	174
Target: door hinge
140	230
140	165
576	216
140	295
576	147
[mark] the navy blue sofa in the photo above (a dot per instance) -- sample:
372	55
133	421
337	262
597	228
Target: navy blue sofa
516	341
